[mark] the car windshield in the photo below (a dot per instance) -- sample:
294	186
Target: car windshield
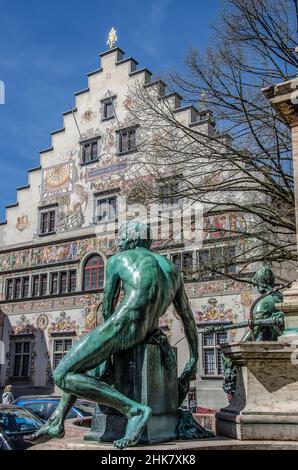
16	421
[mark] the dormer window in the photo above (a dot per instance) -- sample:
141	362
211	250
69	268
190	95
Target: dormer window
108	108
90	151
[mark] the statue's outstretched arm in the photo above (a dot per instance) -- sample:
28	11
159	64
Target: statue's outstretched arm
111	290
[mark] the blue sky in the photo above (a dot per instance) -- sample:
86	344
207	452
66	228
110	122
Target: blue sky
48	46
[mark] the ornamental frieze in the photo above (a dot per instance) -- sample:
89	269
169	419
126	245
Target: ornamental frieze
50	254
212	287
83	301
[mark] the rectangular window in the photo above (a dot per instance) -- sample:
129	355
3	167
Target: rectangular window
89	151
127	141
35	286
177	259
52	219
168	193
106	209
21	359
44	222
17	288
63	282
54	283
47	222
9	289
60	349
229	256
108	109
215	262
212	355
187	261
43	284
72	281
25	286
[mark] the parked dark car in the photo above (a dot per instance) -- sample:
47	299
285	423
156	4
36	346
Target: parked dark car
44	406
15	423
4	442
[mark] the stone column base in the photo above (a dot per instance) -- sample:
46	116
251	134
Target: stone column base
271	426
265	405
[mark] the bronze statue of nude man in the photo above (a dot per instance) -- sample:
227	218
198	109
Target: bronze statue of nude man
151	283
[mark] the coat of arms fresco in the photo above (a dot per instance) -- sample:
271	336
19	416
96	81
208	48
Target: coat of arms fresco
23	327
63	323
214	311
22	222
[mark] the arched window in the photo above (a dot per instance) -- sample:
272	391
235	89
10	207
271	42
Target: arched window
93	273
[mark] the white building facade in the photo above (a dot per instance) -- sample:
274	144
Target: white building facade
53	247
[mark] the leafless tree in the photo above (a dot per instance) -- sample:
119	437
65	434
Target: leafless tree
242	164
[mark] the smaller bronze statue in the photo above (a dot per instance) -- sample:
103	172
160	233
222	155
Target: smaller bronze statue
264	308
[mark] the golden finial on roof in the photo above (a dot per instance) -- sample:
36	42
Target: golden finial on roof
112	38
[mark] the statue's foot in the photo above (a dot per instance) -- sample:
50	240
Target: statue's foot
135	425
45	433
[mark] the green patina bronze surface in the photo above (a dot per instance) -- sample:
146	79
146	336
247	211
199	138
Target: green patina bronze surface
151	283
264	309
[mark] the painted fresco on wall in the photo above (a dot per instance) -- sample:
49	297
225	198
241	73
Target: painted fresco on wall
212	287
127	103
91	315
214	311
165	323
51	304
90	320
88	115
105	171
91	133
246	298
62	252
92	312
221	225
42	321
22	223
109	141
63	324
13	259
105	176
60	185
57	179
70	219
23	327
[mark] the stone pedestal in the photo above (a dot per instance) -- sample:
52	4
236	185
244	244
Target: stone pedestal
141	375
290	309
283	97
265	405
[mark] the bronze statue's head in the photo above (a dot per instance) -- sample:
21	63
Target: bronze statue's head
264	279
134	234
